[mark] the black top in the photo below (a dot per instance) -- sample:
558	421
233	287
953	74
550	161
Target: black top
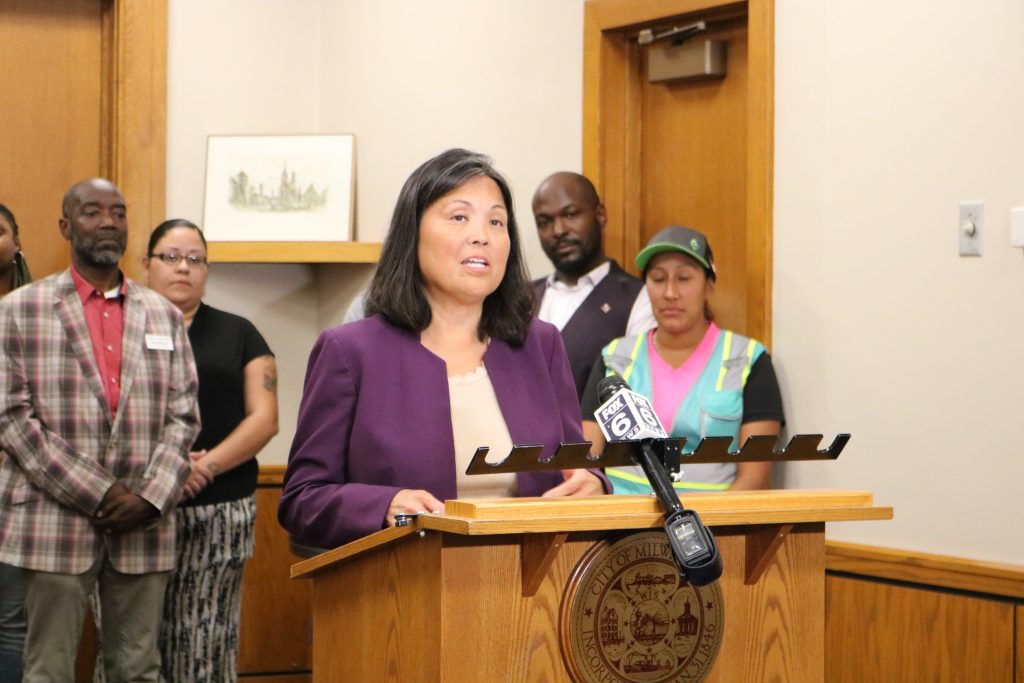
762	399
223	345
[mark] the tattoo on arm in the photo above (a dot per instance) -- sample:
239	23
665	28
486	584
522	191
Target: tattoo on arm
270	375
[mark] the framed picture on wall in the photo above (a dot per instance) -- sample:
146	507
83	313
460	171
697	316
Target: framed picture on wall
279	188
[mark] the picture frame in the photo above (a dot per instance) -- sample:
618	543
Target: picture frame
279	188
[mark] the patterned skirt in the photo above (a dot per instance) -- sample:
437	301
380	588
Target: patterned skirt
199	633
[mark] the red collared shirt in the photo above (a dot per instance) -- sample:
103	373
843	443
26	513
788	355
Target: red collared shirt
104	315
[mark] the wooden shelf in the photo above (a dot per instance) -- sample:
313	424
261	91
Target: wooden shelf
294	252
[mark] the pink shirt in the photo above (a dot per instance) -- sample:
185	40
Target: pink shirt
671	385
104	316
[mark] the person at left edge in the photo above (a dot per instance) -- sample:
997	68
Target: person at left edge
97	413
14	273
395	405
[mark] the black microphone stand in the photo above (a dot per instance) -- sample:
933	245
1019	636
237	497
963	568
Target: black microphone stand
693	545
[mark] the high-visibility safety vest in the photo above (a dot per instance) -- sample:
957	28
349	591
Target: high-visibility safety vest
713	407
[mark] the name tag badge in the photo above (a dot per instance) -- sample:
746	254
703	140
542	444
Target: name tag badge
159	342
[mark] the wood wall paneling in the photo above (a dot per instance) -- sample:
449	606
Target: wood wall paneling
276	622
1018	653
883	631
921	616
51	83
84	85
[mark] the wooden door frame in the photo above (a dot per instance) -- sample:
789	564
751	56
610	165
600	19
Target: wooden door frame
611	129
133	138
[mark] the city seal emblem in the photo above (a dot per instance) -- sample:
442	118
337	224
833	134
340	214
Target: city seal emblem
627	616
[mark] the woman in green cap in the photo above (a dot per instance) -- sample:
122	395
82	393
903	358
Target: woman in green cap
702	380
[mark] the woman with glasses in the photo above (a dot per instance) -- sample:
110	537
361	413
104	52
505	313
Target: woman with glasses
238	407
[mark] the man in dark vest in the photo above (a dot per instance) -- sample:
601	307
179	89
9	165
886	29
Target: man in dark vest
588	297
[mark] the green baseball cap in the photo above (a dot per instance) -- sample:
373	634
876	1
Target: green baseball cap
687	241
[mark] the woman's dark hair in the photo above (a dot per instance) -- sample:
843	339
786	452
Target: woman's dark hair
396	290
9	217
21	275
168	225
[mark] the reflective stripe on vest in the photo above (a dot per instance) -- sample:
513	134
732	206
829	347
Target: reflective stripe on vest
627	475
620	355
738	356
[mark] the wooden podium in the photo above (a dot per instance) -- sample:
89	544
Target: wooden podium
475	594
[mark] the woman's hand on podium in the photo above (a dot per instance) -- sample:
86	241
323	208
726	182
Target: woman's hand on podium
411	502
577	483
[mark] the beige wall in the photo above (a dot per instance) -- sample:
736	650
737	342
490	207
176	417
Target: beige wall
413	78
246	67
887	115
409	79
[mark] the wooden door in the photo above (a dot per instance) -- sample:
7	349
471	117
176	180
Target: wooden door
82	94
694	153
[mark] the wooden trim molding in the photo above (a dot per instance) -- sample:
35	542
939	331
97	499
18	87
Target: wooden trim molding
760	165
271	475
134	101
924	568
294	252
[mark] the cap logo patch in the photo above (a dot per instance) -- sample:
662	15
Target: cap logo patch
694	244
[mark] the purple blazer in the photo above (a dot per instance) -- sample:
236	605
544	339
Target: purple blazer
375	418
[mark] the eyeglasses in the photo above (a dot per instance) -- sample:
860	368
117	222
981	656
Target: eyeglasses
192	260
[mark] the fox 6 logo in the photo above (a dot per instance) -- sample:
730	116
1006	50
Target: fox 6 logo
645	411
621	423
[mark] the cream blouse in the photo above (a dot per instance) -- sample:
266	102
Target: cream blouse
477	421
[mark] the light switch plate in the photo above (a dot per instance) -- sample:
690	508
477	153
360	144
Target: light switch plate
972	219
1017	226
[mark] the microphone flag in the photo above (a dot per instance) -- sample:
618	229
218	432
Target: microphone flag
626	415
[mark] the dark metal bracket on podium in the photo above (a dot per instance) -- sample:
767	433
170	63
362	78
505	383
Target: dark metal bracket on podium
711	449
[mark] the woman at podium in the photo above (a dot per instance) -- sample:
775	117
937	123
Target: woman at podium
702	380
448	359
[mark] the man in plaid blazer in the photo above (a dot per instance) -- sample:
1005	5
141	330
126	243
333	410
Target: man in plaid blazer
97	414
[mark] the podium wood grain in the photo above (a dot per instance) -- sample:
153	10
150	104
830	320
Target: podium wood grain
445	598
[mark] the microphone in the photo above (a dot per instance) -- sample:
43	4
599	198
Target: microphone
625	415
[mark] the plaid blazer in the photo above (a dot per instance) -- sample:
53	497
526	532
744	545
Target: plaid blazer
64	451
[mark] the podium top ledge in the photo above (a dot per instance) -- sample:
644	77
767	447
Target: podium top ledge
498	516
526	515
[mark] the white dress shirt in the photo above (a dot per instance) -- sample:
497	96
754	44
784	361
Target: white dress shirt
561	301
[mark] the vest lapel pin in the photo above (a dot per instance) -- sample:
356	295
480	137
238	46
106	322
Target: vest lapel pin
605	308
